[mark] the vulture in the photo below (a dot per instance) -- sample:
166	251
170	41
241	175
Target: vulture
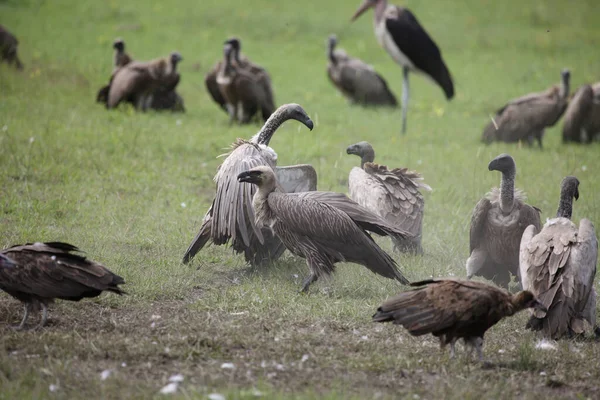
497	225
38	273
528	116
558	265
582	118
231	216
245	92
357	80
120	59
138	80
8	48
392	194
453	309
210	81
324	234
401	35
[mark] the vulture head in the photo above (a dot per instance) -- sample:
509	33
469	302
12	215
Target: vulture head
565	74
175	57
331	42
6	262
570	187
503	163
526	299
362	149
364	7
236	46
261	176
119	45
295	111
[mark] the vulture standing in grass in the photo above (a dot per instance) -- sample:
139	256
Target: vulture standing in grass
526	118
582	118
231	215
399	32
245	92
558	265
392	194
120	59
38	273
497	225
454	309
138	80
312	228
357	80
8	48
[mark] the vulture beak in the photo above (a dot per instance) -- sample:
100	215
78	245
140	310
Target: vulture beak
492	165
309	124
250	177
363	7
351	150
576	195
6	262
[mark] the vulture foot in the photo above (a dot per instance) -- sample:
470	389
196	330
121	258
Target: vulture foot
308	281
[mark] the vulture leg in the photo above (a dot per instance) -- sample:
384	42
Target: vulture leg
27	308
405	96
312	277
475	262
539	139
44	316
453	348
477	344
232	111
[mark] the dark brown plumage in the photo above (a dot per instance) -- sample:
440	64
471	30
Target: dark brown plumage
526	117
497	225
210	81
137	80
311	227
582	118
8	48
453	309
356	80
38	273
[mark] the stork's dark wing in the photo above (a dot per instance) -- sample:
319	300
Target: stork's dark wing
414	41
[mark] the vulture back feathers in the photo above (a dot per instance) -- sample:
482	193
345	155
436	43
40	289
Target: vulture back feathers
42	272
559	265
453	309
582	118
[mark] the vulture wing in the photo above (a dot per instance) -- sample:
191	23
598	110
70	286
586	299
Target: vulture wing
210	81
478	222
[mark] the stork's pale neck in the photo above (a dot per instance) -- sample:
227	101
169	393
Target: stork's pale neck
379	11
507	191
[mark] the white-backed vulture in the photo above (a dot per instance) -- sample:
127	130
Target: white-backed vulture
120	59
210	81
8	48
315	230
243	91
558	265
526	118
497	225
582	118
38	273
231	215
137	80
355	79
453	309
260	74
392	194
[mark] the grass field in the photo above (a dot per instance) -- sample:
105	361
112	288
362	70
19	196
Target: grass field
131	189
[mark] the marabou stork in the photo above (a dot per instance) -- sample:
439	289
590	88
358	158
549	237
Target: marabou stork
408	43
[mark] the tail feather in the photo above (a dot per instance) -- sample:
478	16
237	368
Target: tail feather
199	241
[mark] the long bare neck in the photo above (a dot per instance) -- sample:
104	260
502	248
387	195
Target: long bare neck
564	88
380	10
262	211
565	205
330	54
273	123
367	156
507	191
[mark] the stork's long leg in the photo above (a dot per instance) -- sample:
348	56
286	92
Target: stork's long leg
44	316
27	308
405	97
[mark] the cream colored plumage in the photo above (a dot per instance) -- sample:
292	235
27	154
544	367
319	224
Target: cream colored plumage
559	265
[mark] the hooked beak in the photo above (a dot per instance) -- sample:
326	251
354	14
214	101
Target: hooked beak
363	7
309	124
249	176
492	165
350	150
576	195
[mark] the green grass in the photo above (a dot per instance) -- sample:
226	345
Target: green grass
114	183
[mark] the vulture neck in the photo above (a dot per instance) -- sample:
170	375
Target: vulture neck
564	88
507	191
367	156
330	53
263	214
565	206
273	123
380	10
